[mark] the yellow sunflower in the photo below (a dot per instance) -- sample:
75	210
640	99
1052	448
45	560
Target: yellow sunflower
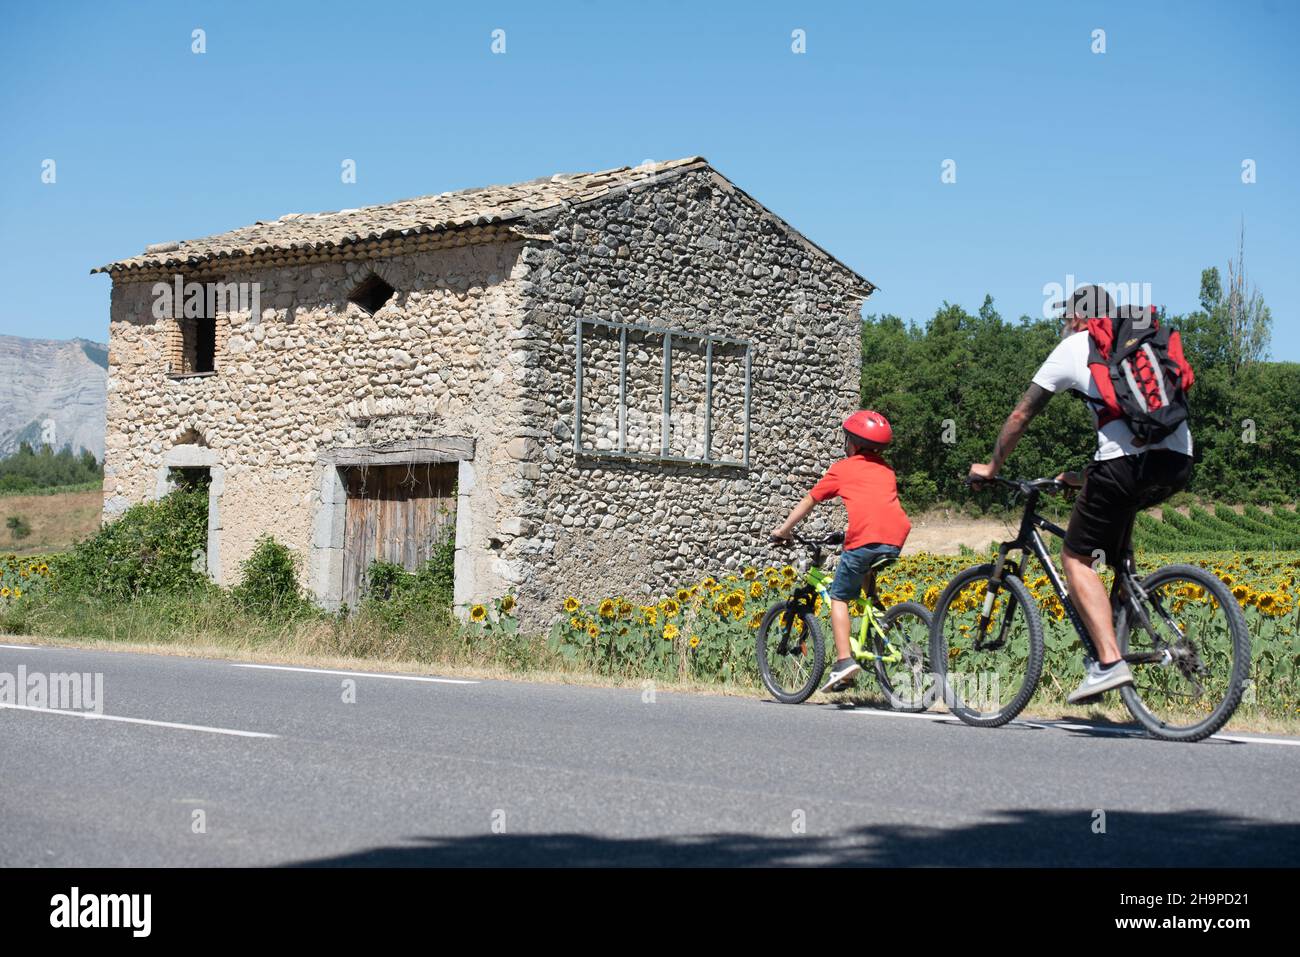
607	609
571	604
507	604
478	613
670	632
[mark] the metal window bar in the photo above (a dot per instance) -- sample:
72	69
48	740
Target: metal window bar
622	390
748	368
708	399
709	339
664	330
665	424
577	397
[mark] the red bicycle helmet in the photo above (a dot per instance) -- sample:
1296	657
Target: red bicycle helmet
869	425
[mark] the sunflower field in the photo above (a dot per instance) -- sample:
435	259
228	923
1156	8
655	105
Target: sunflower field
19	576
705	631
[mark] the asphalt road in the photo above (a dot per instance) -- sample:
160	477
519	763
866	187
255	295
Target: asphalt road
279	770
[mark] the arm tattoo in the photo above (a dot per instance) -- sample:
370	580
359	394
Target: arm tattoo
1033	401
1030	404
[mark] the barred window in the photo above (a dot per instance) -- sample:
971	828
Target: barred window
662	394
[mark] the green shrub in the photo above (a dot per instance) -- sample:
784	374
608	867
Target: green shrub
268	582
430	586
18	527
153	548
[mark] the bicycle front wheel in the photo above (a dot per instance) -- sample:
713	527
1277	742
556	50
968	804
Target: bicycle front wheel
904	682
986	677
791	653
1190	658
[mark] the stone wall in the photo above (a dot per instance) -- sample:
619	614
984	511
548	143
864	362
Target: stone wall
688	253
480	343
314	373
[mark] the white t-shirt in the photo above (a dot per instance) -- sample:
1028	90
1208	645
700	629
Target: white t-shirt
1067	368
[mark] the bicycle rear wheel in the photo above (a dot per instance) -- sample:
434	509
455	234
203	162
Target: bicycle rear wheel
988	686
1198	651
907	626
792	674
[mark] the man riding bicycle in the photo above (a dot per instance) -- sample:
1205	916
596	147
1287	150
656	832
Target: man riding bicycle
1124	477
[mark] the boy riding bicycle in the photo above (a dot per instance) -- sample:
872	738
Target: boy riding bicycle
878	526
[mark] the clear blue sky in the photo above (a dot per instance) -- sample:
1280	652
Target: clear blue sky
154	143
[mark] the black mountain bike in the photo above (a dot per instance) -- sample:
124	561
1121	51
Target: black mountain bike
792	652
1179	628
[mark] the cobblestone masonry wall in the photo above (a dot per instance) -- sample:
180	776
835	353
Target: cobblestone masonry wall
685	254
312	374
480	342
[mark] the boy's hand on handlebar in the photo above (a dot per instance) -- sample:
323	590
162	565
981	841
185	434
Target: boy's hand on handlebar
1072	479
779	536
980	472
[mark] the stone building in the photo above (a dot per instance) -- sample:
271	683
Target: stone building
599	383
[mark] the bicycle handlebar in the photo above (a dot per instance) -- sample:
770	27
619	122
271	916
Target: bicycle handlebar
1021	486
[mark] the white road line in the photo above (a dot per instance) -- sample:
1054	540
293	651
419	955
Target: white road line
20	647
1234	737
873	712
1070	726
362	674
90	715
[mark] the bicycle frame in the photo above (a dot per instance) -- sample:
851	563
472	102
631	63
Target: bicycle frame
1126	588
817	583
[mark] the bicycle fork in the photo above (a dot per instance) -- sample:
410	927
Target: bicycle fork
1062	590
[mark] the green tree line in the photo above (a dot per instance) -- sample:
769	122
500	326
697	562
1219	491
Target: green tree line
30	469
947	385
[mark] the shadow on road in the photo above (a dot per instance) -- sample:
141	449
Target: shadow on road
1013	838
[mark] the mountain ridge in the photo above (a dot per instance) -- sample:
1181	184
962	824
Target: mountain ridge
52	391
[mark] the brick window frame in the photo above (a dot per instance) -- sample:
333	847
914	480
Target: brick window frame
185	353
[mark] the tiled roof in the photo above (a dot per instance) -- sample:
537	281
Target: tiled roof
485	210
482	206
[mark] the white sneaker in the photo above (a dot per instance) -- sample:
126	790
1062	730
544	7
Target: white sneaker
1098	680
841	674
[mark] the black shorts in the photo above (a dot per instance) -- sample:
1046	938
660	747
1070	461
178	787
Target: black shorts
1114	491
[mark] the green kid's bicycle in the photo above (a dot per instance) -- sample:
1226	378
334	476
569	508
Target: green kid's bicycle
894	642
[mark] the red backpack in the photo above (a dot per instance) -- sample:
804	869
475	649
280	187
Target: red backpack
1140	371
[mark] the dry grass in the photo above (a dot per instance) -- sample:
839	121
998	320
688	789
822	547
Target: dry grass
57	521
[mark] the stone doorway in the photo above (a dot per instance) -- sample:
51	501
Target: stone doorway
395	513
337	487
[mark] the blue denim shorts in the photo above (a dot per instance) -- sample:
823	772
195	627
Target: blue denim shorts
853	567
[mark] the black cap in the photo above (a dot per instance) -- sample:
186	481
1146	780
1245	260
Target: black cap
1091	302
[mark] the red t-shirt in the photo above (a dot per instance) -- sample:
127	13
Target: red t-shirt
870	493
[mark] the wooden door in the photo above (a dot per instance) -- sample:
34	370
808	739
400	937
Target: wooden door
395	513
